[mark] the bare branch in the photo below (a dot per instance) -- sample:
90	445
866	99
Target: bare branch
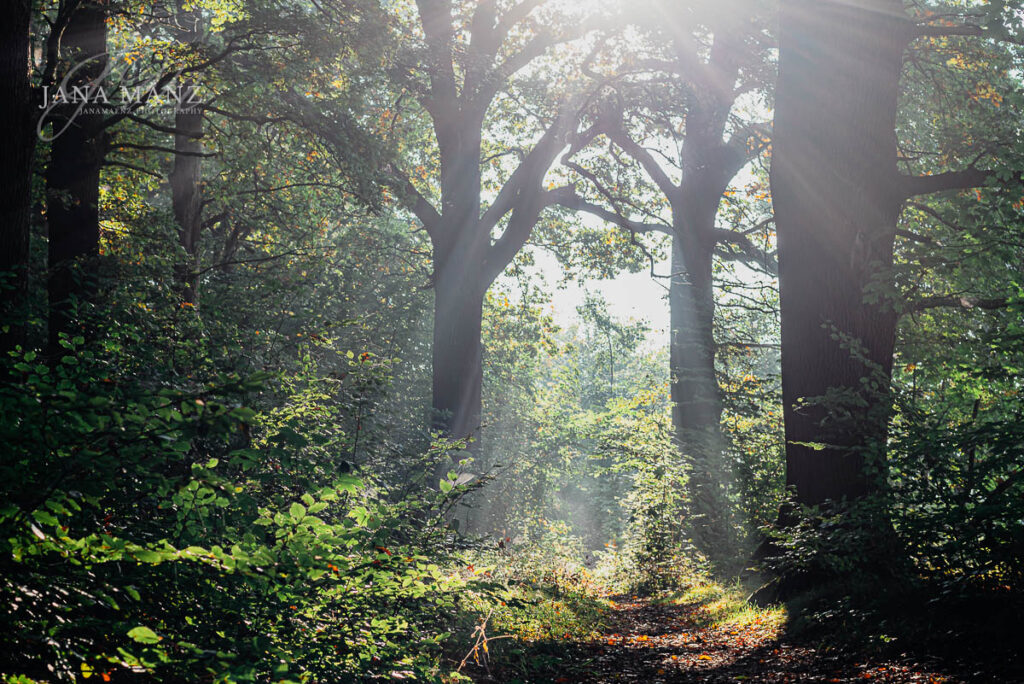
924	240
620	137
163	129
573	201
132	167
939	31
160	148
958	302
912	186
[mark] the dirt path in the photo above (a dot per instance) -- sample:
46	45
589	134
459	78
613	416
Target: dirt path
653	642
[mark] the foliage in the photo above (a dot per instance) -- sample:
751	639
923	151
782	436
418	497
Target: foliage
244	549
245	487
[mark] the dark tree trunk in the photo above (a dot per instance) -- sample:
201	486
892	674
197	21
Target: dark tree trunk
460	251
186	177
834	181
72	176
709	164
457	353
17	148
696	399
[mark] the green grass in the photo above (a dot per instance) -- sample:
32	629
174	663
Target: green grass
725	606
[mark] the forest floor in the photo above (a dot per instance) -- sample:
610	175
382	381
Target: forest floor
682	638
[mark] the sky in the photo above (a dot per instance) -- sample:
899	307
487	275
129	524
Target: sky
629	295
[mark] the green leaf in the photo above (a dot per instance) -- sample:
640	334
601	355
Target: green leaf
148	556
144	635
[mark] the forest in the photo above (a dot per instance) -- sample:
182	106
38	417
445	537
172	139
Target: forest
537	341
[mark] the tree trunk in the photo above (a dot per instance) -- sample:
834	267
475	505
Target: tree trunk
696	398
458	376
186	194
72	177
458	320
708	166
460	250
17	148
833	185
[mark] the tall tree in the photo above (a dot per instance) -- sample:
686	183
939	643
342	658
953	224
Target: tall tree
838	193
456	74
674	115
73	172
186	176
17	150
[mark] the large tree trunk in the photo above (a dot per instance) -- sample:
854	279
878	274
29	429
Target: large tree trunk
460	250
834	190
458	319
457	354
708	166
72	177
186	176
696	400
17	148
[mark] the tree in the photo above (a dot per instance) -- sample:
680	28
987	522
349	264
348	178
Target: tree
17	150
674	114
456	79
838	194
72	175
185	178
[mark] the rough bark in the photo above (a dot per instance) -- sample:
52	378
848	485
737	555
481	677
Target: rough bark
460	249
72	176
17	149
834	181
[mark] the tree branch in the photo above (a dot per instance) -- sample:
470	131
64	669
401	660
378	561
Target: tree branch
414	201
571	200
530	170
749	252
650	165
517	232
912	186
938	31
958	302
132	167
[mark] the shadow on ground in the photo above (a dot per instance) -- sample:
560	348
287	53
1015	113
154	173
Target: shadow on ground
654	642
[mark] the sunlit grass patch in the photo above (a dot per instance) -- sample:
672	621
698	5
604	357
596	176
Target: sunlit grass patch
726	606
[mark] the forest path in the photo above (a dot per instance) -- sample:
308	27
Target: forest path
661	641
